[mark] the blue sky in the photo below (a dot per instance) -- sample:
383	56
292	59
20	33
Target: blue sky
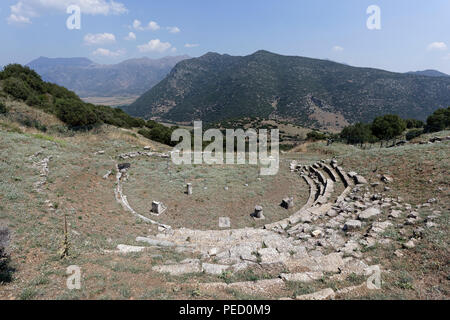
414	34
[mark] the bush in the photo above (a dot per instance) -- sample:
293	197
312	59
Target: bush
5	269
438	121
388	127
413	134
76	114
316	136
358	134
159	133
413	123
3	109
17	88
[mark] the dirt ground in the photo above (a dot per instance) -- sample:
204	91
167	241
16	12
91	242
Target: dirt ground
75	188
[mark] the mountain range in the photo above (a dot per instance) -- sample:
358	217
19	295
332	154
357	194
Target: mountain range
305	91
430	73
88	79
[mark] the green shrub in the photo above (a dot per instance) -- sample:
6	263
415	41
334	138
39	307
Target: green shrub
413	123
76	114
358	134
413	134
17	88
438	121
3	109
316	136
5	269
388	127
159	133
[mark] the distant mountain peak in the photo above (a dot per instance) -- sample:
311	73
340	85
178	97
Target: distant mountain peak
76	61
305	91
429	73
88	79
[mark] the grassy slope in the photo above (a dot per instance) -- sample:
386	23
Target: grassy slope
75	187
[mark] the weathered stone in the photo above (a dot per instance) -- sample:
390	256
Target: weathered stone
129	249
158	207
387	179
369	213
258	213
123	166
215	269
395	214
398	253
352	174
352	225
288	203
351	289
224	222
409	245
179	269
325	294
302	277
317	233
260	287
360	179
155	242
189	189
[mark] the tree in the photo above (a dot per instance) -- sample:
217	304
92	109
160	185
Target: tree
76	114
413	123
438	121
414	133
359	133
388	127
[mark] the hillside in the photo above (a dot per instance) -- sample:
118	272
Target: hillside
88	79
430	73
300	90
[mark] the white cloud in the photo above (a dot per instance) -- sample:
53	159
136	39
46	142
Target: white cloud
108	53
173	29
338	49
191	45
155	46
21	13
173	50
439	46
152	25
24	10
13	19
99	38
131	36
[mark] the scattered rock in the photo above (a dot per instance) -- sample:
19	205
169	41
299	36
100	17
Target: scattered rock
123	166
352	225
302	277
122	248
325	294
409	245
369	213
360	179
398	253
215	269
258	214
